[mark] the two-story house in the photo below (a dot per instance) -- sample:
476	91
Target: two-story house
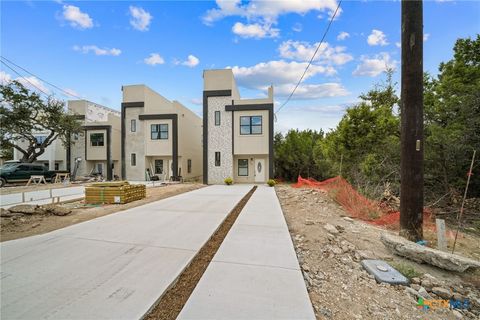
97	149
160	137
237	133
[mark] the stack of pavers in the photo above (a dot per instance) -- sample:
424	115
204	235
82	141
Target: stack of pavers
114	192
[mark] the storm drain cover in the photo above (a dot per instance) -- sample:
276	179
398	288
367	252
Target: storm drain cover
383	272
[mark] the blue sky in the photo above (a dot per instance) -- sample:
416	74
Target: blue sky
91	48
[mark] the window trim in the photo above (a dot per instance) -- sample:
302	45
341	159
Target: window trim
238	168
133	159
155	166
189	166
250	125
133	125
218	161
158	126
219	118
103	139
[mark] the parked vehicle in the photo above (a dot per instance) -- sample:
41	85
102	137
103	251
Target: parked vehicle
21	172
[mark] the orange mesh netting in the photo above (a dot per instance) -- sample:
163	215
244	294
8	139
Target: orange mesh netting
357	205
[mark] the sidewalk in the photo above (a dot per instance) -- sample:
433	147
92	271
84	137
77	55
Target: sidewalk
113	267
255	273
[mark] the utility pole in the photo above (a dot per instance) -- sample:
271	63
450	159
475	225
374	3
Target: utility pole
412	144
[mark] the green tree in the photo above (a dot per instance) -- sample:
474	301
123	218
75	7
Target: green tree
24	112
452	120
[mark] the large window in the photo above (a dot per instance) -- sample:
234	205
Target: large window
217	159
133	159
243	167
158	166
133	125
96	139
189	165
217	118
159	131
251	125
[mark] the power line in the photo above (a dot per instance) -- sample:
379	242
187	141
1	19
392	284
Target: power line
33	85
49	83
313	57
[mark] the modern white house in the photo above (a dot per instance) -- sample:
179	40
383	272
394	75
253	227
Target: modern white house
97	149
160	137
237	133
54	157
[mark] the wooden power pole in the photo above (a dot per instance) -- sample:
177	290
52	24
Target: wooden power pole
411	189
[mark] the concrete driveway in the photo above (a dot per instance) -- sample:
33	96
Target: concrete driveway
113	267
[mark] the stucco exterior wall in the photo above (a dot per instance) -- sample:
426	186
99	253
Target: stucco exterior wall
96	152
134	143
255	143
219	140
159	147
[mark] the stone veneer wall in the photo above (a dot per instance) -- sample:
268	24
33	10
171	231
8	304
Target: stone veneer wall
134	143
219	139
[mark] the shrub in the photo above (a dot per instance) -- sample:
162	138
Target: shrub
407	270
228	181
271	182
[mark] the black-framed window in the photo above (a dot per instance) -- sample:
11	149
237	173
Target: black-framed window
40	139
243	167
217	118
217	159
97	139
189	165
159	131
133	125
133	159
158	166
250	125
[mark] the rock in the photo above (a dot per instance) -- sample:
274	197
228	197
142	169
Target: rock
348	219
309	222
28	209
422	254
457	314
56	210
415	280
366	254
305	267
336	250
442	292
415	286
35	225
426	283
458	297
424	294
411	291
331	228
7	214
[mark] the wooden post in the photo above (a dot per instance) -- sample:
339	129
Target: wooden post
441	235
411	189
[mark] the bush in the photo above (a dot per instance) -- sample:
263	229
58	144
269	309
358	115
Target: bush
228	181
271	182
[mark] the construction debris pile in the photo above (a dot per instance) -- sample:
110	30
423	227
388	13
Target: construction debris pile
120	192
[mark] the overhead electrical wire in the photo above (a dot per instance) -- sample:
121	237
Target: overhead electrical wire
49	83
32	84
311	60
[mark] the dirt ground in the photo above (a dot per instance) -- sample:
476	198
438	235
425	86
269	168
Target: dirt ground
338	286
29	225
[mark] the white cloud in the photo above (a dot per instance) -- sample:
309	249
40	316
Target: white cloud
77	18
343	35
426	36
70	92
297	27
255	30
304	51
374	66
4	77
197	101
398	44
192	61
266	10
312	91
377	38
140	18
154	59
98	51
33	84
277	73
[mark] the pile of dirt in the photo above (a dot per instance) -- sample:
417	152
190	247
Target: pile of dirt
330	246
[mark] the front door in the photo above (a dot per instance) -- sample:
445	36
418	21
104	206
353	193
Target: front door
259	170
